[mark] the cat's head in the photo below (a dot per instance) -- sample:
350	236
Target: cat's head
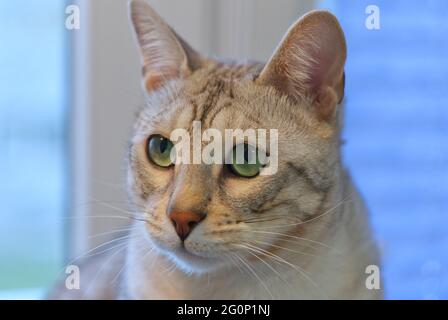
205	215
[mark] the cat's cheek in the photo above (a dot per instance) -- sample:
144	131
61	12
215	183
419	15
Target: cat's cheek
162	242
146	177
160	234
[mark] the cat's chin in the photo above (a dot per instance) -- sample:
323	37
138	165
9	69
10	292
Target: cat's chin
192	263
186	258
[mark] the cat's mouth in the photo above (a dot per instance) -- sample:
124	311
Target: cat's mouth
184	251
190	255
193	261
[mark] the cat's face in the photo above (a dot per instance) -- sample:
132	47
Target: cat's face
205	216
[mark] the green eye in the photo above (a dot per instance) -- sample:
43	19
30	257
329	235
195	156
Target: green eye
159	150
245	162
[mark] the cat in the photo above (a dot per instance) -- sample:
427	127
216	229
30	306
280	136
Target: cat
212	232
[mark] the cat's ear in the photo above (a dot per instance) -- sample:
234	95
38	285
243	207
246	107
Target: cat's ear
309	62
165	55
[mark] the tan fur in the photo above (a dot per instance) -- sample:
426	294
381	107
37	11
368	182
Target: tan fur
299	234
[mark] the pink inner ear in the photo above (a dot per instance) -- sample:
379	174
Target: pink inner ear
154	81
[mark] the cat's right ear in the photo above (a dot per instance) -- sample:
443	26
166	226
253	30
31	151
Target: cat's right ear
165	55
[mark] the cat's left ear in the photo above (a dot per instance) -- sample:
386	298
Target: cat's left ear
165	55
310	63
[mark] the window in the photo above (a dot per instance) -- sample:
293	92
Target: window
396	128
33	90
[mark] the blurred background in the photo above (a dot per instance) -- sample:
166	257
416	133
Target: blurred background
68	99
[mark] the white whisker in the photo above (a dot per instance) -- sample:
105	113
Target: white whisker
255	275
295	237
109	232
286	249
270	267
278	258
105	263
331	210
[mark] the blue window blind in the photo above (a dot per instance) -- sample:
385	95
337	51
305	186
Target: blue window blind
32	144
397	136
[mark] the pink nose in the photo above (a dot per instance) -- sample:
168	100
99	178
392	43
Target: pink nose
184	222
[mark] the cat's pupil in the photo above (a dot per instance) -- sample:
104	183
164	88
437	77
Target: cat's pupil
163	145
246	154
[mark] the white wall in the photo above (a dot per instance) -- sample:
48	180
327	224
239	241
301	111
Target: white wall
106	88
